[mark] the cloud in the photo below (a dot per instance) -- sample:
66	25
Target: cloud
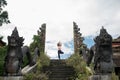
52	51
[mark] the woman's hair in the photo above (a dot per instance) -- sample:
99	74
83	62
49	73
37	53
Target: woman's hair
59	44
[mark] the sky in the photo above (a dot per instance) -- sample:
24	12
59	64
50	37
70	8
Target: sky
90	16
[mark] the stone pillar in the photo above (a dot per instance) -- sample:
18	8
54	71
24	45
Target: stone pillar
78	40
42	34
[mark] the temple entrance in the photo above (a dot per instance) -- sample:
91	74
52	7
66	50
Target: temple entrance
61	33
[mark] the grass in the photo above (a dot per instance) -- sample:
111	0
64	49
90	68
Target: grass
82	73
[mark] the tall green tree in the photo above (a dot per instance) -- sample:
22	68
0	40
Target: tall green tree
35	43
3	14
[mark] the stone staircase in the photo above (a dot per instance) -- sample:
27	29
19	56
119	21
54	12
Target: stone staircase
58	70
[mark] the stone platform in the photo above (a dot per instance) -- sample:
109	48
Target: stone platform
100	77
11	77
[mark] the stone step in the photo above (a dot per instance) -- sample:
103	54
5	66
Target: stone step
58	79
57	62
60	75
63	72
58	70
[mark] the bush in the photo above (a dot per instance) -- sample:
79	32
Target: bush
114	77
25	62
82	73
36	76
3	51
29	76
42	61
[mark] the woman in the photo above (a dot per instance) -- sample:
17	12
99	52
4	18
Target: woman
59	49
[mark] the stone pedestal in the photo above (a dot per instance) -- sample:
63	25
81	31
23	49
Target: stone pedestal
11	78
100	77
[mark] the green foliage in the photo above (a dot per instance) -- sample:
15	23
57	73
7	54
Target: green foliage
1	37
3	51
42	61
25	62
36	76
114	77
82	73
29	76
35	43
3	3
45	60
3	14
39	65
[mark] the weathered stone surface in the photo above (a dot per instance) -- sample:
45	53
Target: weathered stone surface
16	53
100	77
102	52
59	70
13	61
12	78
78	39
28	69
42	34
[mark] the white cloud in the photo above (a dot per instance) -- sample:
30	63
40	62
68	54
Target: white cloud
52	51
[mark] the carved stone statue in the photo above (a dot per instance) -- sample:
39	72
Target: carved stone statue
102	52
15	54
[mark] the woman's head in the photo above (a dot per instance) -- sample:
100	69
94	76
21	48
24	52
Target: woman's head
59	44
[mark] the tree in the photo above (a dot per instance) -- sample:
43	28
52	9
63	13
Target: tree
1	37
35	43
3	14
